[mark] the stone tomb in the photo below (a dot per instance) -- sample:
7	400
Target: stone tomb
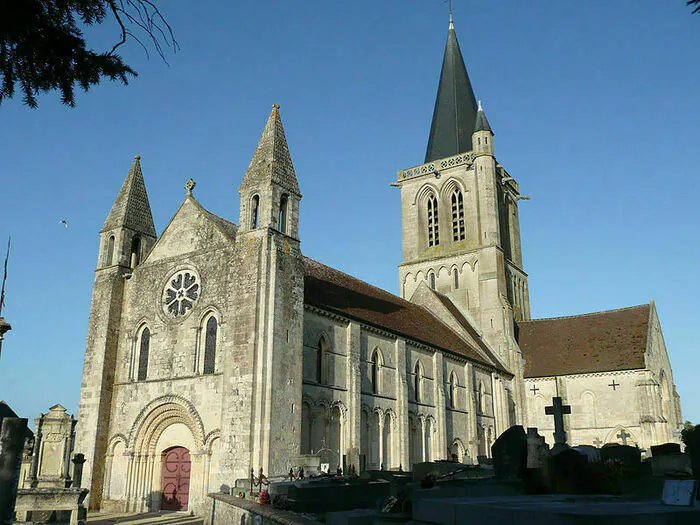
510	454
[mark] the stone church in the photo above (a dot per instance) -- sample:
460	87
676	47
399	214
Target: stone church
217	347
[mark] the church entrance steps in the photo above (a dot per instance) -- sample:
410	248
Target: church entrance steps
162	518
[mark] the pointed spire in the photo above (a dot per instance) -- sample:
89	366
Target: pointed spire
482	123
271	162
455	110
131	208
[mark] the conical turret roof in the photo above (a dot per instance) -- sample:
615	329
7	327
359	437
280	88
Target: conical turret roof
454	116
131	208
271	162
482	123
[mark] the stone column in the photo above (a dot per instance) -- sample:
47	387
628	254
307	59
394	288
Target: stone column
471	411
440	412
78	461
403	433
354	395
380	432
422	440
12	435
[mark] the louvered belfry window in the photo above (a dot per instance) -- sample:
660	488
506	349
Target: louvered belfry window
433	229
457	216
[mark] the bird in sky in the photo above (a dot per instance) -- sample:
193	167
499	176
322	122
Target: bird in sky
64	222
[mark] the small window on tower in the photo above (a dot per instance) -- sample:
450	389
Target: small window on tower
254	210
135	251
486	140
458	230
110	251
433	225
478	141
283	214
144	348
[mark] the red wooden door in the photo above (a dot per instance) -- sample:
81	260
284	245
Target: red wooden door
175	478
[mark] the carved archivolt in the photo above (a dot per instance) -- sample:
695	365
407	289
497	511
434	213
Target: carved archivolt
160	414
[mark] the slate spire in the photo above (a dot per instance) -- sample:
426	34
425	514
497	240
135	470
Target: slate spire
271	162
454	116
131	208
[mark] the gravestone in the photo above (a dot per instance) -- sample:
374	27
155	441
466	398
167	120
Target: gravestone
13	431
537	449
566	471
666	448
671	465
628	456
53	446
558	409
509	454
592	453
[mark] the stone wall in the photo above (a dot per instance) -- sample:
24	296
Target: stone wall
223	509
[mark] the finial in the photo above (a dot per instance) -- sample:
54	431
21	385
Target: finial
452	26
480	108
275	107
189	186
137	157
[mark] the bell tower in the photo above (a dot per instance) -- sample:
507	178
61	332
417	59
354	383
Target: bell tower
460	228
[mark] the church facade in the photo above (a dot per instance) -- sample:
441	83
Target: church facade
215	347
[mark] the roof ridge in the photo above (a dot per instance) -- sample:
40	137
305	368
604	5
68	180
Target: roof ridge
588	314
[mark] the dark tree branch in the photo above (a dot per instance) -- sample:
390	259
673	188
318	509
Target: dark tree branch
696	4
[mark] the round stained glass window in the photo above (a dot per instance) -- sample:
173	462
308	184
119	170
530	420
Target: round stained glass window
180	293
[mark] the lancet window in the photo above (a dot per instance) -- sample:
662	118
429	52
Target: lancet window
254	211
433	226
284	201
417	381
135	251
453	390
144	344
457	199
375	371
210	333
110	251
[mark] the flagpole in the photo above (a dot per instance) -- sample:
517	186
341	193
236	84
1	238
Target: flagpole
4	325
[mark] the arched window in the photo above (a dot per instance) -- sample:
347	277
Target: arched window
210	331
375	372
481	404
457	216
321	359
453	390
417	380
455	278
110	251
431	280
144	347
135	251
254	210
433	227
283	214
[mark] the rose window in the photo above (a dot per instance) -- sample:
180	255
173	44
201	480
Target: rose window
180	293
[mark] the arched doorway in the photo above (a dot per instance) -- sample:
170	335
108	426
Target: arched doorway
175	476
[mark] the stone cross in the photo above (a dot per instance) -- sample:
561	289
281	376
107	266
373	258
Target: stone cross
534	389
558	409
614	385
189	186
623	435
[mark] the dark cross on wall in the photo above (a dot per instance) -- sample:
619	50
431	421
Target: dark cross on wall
623	435
534	389
558	409
614	385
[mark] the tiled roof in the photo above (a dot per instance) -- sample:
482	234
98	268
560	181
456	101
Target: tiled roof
597	342
337	292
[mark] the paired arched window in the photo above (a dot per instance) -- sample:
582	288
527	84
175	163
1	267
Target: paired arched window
417	381
454	385
375	371
433	227
110	251
457	199
321	359
254	211
144	346
135	251
210	333
284	203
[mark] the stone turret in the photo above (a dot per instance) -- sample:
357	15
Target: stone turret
128	232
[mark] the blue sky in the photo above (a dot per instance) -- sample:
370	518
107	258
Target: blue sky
594	104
